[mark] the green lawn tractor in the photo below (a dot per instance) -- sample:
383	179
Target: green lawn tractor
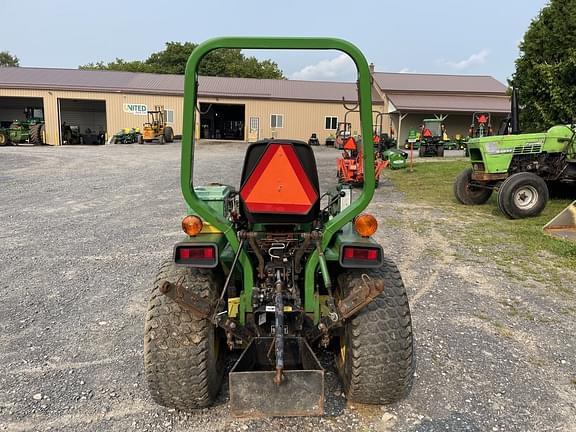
520	167
413	140
432	138
277	271
127	136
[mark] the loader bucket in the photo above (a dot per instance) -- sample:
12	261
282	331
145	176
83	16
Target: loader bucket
564	224
253	392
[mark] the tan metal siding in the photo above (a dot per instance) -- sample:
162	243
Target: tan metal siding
301	119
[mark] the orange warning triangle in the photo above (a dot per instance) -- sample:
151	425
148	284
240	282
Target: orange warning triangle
279	184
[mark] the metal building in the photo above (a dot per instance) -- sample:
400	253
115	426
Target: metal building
239	108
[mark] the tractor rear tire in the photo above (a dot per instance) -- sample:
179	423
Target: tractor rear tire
168	134
440	151
36	136
421	151
467	194
3	138
183	354
376	359
522	195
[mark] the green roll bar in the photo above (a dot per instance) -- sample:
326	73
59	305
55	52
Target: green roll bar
311	304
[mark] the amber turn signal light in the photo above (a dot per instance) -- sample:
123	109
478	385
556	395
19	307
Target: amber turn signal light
192	225
365	224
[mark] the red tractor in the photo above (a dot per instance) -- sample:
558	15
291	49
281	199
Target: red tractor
351	167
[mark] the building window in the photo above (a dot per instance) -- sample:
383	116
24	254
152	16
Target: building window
331	123
276	121
169	116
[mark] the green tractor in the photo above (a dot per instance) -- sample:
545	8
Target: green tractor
278	271
127	136
30	130
432	138
520	167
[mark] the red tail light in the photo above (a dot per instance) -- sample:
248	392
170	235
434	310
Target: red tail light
361	256
196	255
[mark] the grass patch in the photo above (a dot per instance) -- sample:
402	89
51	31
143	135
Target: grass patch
519	247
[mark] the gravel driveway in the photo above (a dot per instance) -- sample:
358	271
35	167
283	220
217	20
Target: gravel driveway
83	230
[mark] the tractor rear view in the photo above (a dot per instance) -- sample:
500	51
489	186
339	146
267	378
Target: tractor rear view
278	270
156	128
432	138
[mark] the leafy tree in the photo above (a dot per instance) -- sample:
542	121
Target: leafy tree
172	60
546	69
7	59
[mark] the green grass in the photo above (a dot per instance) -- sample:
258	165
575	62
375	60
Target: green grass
520	247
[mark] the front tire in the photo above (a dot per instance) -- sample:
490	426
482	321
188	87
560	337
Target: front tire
376	359
522	195
468	194
3	138
183	355
168	134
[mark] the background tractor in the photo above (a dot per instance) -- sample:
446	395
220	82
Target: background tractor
155	129
520	167
30	130
127	136
281	271
432	138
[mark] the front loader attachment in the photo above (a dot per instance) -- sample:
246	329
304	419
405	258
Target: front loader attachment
564	224
254	391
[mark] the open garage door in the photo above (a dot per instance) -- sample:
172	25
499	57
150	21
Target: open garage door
222	121
17	108
21	120
82	121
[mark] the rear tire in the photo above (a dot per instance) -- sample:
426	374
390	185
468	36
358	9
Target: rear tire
183	355
522	195
3	138
376	359
467	194
421	151
36	134
440	151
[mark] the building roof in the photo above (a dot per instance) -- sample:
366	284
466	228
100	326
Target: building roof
410	82
165	84
441	103
407	92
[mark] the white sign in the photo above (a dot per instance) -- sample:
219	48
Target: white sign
136	109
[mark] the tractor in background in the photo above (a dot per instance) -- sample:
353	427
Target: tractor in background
156	128
30	130
519	167
432	134
343	132
127	136
280	270
350	166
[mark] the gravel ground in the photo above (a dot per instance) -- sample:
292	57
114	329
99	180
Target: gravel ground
84	229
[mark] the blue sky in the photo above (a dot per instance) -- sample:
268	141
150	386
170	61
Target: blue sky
441	36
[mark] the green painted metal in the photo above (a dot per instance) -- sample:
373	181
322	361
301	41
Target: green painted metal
203	210
496	152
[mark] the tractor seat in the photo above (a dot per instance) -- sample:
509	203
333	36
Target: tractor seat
279	183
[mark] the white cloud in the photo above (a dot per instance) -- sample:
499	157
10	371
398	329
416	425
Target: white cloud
340	68
406	70
475	59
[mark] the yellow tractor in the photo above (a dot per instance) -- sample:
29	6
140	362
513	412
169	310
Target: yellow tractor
155	127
